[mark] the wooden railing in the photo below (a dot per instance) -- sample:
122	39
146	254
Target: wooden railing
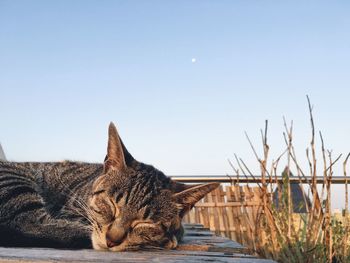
252	179
230	211
233	210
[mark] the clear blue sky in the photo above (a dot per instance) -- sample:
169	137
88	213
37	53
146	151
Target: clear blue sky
68	68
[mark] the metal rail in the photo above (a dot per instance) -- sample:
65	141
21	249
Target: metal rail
250	179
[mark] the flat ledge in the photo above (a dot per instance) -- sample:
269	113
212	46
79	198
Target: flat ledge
199	245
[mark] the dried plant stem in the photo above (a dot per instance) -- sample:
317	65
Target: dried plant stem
289	145
328	229
235	170
300	174
324	165
278	233
265	200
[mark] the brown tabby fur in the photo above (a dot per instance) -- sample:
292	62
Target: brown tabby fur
120	205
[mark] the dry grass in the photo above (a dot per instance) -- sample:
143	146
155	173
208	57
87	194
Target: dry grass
315	236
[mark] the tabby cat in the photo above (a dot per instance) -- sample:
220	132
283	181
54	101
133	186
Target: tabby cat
120	205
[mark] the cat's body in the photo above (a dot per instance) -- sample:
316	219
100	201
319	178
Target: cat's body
46	194
120	205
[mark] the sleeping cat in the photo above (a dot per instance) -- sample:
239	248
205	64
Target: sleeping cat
120	205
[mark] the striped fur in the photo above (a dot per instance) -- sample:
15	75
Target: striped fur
39	203
120	205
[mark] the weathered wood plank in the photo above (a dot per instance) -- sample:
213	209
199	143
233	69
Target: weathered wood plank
229	211
194	226
199	245
51	255
194	232
229	204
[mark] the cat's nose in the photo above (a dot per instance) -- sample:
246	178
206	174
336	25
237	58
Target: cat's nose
115	236
110	243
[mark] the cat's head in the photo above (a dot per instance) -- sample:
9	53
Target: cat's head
135	206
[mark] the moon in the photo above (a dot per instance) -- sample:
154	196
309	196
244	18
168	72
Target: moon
193	60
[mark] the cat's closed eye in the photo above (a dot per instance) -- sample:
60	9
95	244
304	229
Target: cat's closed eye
105	213
96	211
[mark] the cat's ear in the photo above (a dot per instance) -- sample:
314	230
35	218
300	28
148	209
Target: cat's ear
187	198
129	159
115	156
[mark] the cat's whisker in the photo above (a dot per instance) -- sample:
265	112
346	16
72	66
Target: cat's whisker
84	216
80	202
89	215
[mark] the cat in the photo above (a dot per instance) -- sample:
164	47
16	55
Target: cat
119	205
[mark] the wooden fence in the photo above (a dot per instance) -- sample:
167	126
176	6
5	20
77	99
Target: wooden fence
232	211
